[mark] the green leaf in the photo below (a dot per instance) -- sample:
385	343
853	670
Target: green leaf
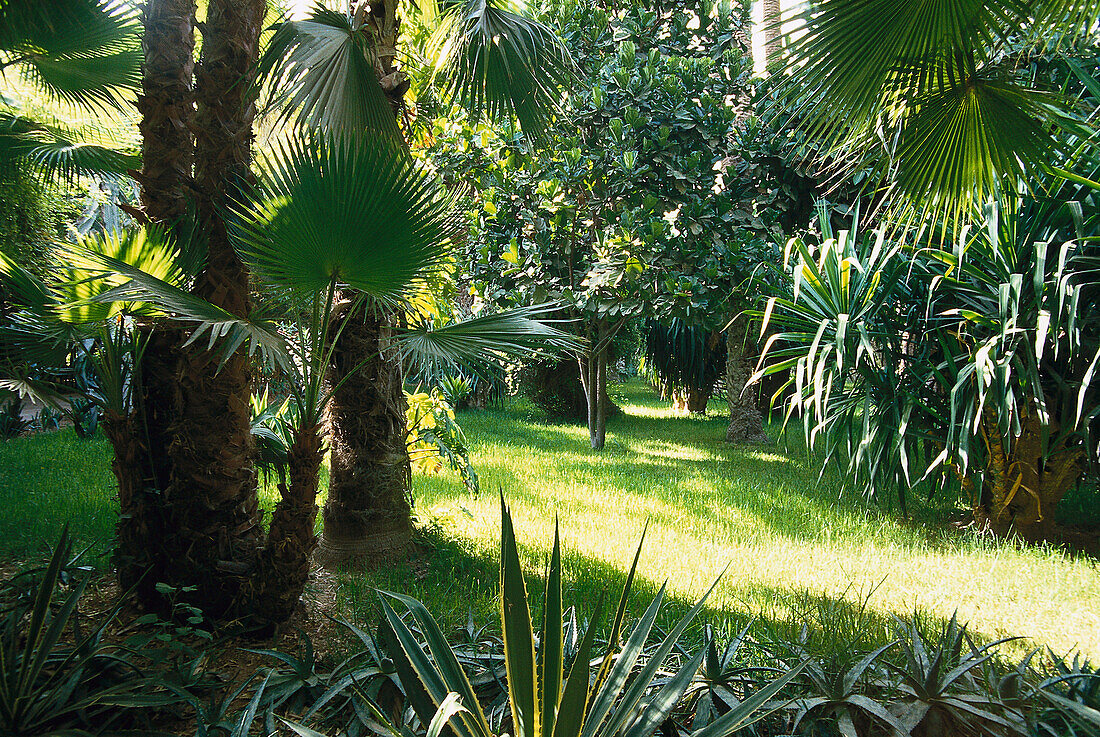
352	208
519	644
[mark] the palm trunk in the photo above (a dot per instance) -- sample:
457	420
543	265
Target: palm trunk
284	562
214	532
1025	482
746	421
773	11
367	515
141	441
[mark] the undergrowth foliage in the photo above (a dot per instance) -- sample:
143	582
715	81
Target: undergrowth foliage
569	675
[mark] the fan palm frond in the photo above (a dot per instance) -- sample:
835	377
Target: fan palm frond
500	63
55	152
320	73
927	76
479	343
352	209
84	52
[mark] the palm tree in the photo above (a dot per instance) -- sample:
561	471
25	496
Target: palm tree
211	504
335	217
746	420
936	92
339	72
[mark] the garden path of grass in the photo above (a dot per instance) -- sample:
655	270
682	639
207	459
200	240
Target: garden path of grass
795	547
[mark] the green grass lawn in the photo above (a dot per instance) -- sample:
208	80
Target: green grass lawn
797	550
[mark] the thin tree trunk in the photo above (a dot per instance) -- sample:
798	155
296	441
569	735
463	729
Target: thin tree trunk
214	531
600	436
593	367
367	515
141	441
746	421
284	562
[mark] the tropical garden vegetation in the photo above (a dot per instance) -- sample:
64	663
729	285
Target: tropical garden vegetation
308	240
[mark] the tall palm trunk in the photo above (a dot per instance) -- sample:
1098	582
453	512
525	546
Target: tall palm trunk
773	11
367	515
214	532
746	421
140	440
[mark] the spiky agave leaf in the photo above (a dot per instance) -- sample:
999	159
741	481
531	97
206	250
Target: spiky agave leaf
356	210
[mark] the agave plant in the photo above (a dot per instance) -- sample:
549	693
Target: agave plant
940	692
543	698
49	686
838	692
1070	699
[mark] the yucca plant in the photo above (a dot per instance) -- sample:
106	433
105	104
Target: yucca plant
623	698
978	359
686	360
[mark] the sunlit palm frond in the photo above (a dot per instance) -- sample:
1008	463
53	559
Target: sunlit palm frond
86	278
223	331
320	74
500	63
481	342
920	84
85	52
55	152
352	209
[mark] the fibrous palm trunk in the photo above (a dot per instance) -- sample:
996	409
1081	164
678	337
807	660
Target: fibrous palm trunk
773	11
1026	479
746	421
367	515
284	563
213	532
141	440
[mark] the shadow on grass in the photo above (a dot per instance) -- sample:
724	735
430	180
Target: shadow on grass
459	585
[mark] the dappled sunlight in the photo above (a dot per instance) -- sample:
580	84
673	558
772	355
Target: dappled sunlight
657	449
759	511
767	457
